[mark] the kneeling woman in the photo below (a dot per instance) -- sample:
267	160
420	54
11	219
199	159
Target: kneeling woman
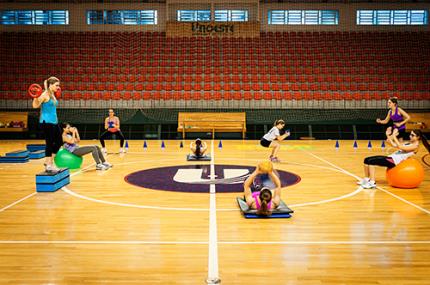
71	138
266	199
405	151
198	148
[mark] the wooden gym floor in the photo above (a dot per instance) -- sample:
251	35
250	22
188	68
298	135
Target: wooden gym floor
102	230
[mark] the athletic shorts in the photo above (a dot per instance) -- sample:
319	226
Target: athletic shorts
265	142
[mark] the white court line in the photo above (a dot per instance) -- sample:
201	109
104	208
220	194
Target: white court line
155	242
16	202
379	188
70	192
65	189
213	273
404	200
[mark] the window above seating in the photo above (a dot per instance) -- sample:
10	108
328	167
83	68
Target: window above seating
303	17
34	17
122	17
392	17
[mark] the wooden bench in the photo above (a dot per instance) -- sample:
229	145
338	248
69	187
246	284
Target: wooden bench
211	122
419	121
16	117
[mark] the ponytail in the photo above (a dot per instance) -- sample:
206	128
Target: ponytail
265	197
423	139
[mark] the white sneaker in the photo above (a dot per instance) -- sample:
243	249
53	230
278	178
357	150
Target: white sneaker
51	168
121	150
369	185
107	164
104	150
362	181
101	167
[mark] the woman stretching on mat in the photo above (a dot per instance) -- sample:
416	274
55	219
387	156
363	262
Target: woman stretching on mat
47	102
71	139
265	198
396	119
198	148
273	137
112	125
405	150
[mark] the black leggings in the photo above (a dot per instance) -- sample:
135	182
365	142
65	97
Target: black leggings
53	138
379	160
107	134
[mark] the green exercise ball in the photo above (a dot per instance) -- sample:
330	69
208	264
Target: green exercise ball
65	158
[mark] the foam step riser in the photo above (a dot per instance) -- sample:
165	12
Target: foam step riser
18	153
52	187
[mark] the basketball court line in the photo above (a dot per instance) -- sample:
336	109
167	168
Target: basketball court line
155	242
378	187
213	273
17	202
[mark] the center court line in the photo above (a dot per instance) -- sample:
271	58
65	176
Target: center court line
378	187
156	242
213	272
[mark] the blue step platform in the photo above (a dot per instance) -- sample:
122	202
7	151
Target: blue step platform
14	159
37	154
52	181
18	153
35	147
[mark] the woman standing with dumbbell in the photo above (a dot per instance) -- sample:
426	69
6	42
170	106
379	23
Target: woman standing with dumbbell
47	102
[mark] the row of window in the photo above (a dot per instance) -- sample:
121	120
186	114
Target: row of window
275	17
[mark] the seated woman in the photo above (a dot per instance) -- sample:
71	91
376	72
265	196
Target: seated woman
198	148
71	138
265	198
404	151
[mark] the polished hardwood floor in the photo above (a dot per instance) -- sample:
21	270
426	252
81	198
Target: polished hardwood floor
102	230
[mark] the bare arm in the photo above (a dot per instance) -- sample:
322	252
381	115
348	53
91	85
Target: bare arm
384	121
39	100
283	137
247	188
407	148
277	191
76	135
117	124
405	116
68	139
106	123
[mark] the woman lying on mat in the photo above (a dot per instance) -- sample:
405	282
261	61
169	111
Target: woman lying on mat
405	151
265	198
198	148
71	138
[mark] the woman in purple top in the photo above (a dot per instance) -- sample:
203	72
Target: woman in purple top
396	119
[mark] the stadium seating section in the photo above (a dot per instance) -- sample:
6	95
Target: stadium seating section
276	66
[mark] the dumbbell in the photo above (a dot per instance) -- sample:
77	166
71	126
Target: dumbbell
35	90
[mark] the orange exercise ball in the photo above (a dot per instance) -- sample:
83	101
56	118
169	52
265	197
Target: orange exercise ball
407	174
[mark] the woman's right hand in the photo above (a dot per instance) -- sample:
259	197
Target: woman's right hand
378	120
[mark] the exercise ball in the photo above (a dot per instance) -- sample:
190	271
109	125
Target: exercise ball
65	158
265	166
407	174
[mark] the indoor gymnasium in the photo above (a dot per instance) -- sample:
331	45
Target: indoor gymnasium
215	142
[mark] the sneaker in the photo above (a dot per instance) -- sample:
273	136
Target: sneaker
107	164
51	168
274	159
104	150
101	167
121	150
369	185
362	181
